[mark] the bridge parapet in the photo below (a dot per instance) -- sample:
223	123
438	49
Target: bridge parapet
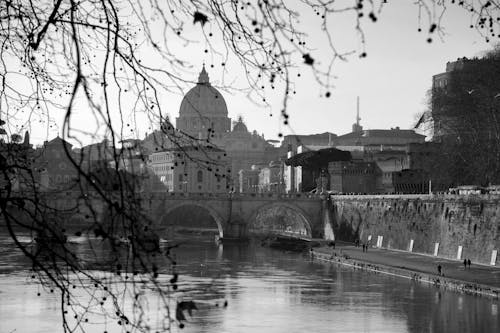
229	196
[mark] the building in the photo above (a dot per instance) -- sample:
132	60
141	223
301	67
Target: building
411	181
96	155
377	140
192	169
162	164
386	151
248	180
354	177
54	161
201	170
308	171
271	178
132	157
292	142
246	149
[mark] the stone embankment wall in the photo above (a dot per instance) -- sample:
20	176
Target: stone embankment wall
472	222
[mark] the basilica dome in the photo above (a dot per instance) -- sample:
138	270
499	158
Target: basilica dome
203	100
240	126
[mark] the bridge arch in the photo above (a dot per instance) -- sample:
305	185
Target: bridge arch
282	217
213	213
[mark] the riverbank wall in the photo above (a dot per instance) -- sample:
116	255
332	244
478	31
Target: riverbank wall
448	226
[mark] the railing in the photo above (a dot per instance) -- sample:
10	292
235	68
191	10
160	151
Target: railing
437	196
202	195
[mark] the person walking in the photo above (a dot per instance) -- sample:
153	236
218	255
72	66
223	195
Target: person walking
465	264
439	270
469	262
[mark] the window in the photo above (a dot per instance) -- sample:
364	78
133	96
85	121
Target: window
180	177
200	176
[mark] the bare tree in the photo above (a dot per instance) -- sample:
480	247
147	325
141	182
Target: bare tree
58	57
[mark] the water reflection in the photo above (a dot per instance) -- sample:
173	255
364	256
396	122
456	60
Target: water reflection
269	291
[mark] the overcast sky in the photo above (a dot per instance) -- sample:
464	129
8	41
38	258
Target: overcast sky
391	81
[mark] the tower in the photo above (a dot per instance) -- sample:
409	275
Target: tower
356	127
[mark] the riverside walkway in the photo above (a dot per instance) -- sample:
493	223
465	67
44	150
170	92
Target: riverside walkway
402	262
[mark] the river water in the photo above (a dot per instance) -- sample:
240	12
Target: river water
267	291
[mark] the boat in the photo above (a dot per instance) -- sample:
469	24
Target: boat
288	243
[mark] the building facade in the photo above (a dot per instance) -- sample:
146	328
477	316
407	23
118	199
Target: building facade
53	161
271	178
192	169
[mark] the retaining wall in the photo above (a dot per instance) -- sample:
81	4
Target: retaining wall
472	222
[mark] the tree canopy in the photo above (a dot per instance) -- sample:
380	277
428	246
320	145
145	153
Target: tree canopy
466	115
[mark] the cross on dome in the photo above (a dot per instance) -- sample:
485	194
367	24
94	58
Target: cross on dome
203	77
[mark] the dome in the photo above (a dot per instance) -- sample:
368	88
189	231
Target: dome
240	126
203	99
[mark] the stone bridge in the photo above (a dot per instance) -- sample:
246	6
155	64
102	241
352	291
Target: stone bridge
238	214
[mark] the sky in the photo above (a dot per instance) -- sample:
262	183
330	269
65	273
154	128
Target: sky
391	82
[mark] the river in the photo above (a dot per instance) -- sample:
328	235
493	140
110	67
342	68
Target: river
267	291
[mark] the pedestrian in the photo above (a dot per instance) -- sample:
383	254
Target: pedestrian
465	264
366	247
469	262
439	269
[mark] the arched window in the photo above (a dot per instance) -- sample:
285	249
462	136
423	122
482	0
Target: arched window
200	176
